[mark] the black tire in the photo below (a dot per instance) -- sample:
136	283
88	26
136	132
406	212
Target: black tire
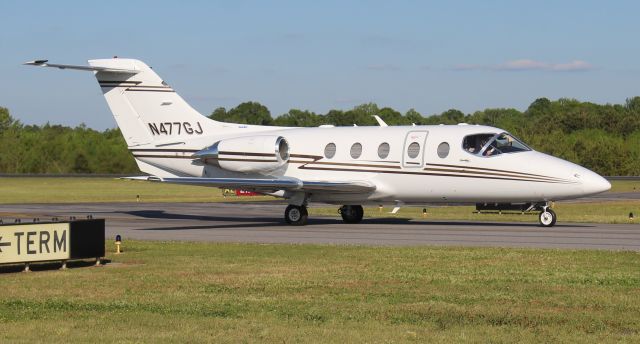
296	215
547	218
352	213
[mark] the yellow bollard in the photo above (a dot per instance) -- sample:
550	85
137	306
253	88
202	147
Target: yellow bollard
380	208
118	243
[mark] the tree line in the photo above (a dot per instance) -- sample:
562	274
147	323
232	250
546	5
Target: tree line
60	149
604	138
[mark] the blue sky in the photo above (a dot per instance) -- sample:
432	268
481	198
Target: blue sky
320	55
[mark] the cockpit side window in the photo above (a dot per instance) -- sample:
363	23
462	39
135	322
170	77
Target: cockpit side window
507	143
474	143
493	144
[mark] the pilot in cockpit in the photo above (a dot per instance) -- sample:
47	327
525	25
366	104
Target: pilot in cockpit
493	144
473	144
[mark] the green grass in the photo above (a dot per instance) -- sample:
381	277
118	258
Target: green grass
67	190
77	190
72	190
625	186
597	212
203	292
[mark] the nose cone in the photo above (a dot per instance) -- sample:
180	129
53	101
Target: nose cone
593	183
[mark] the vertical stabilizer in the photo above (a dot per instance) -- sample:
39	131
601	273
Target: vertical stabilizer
146	109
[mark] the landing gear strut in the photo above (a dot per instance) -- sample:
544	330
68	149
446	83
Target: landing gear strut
296	215
351	213
547	217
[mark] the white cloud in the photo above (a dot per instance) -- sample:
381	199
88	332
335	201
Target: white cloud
529	65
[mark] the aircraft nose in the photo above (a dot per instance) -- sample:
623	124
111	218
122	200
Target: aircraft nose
593	183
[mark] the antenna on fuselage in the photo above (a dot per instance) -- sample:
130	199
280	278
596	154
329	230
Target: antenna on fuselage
380	121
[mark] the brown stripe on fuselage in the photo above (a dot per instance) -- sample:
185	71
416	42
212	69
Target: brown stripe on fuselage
192	158
164	150
348	164
463	172
382	161
163	156
304	165
119	82
246	153
492	173
247	160
133	86
306	156
431	174
488	169
158	90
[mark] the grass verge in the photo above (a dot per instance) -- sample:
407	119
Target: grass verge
597	212
85	190
204	292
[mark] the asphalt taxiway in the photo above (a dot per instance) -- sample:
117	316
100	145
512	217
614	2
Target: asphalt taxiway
262	222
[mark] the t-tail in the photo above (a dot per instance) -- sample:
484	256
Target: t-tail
151	115
147	110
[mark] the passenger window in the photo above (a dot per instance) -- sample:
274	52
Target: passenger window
330	150
413	150
383	150
356	150
443	150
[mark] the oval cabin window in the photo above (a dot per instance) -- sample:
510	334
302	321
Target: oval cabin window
330	150
383	150
356	150
443	150
413	150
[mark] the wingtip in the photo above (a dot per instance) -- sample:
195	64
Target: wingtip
35	62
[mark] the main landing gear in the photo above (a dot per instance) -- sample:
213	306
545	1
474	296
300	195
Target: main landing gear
296	215
351	213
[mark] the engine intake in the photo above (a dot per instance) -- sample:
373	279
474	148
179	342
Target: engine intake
256	154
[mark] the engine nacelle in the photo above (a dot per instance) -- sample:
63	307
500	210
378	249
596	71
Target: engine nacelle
253	154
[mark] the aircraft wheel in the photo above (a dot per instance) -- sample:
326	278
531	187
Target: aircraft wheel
351	213
547	218
296	215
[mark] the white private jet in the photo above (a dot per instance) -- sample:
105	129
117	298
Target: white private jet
347	166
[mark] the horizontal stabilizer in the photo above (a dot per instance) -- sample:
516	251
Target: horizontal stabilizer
44	63
289	184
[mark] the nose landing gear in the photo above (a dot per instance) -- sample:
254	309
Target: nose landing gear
351	213
547	217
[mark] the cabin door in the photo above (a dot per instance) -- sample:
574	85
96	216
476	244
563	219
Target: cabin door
413	154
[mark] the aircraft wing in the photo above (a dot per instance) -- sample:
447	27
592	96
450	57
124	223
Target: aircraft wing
269	185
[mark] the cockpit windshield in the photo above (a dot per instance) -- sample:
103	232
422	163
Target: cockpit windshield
493	144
